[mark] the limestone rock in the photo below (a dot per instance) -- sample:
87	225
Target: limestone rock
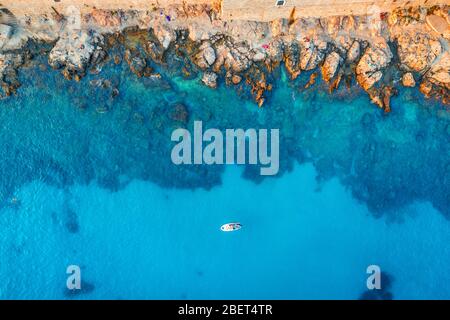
9	62
210	79
312	52
233	57
292	59
236	79
210	55
279	27
165	35
348	23
439	72
426	87
106	18
373	60
343	42
76	50
258	56
331	65
206	56
332	25
354	51
249	31
5	34
43	30
257	80
137	64
408	80
417	50
155	51
198	32
275	50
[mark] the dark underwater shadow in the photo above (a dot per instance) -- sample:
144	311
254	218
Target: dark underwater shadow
113	127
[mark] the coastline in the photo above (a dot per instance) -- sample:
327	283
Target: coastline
90	101
381	52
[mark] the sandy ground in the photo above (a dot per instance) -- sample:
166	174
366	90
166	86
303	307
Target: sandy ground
33	7
265	10
258	10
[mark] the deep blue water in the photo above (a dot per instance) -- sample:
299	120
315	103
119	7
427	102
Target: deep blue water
87	180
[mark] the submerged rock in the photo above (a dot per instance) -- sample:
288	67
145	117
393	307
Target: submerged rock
236	79
426	87
179	112
311	80
137	64
155	51
9	63
388	92
257	79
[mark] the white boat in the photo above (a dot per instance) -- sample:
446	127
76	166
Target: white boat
232	226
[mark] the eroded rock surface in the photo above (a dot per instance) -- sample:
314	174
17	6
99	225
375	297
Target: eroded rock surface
75	51
371	64
380	51
408	80
331	65
210	79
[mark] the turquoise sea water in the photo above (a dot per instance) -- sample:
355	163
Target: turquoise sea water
87	180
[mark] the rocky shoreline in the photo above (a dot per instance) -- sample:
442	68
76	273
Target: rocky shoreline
381	52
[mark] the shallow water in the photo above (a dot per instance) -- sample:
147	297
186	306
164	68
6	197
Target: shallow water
87	180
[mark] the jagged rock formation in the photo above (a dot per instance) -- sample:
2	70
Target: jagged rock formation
210	79
379	50
206	56
9	63
373	61
408	80
331	65
75	51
